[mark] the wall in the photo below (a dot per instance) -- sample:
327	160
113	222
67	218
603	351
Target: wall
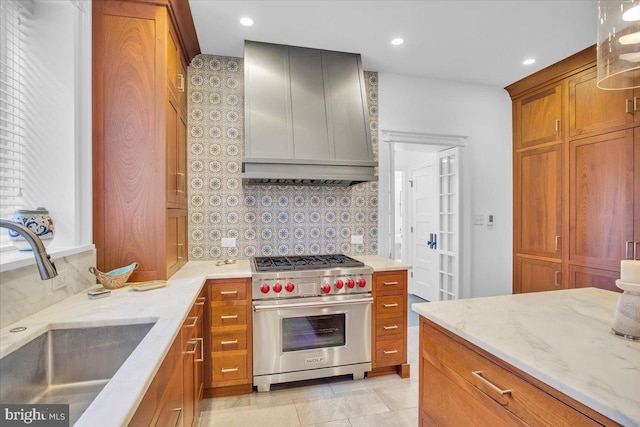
483	113
265	220
23	293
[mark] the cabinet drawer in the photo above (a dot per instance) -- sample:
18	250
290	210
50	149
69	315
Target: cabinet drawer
225	341
392	305
390	326
529	403
229	366
229	316
229	291
392	281
390	352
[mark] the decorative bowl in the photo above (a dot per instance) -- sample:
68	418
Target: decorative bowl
38	221
114	279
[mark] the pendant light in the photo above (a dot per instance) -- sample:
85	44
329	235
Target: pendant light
618	44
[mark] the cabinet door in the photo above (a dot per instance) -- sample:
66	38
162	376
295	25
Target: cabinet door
268	132
176	239
173	61
538	201
188	383
601	199
537	118
533	275
346	102
636	191
171	410
585	277
183	85
593	110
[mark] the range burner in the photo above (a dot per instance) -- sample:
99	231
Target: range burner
304	262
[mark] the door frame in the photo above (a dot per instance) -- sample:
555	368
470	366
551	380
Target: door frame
386	193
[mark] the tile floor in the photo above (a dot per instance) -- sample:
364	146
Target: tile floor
331	402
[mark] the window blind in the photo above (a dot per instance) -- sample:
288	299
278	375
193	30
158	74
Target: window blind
13	17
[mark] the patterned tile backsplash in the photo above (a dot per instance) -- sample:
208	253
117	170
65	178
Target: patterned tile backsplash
264	220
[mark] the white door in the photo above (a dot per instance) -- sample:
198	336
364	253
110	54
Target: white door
448	243
424	209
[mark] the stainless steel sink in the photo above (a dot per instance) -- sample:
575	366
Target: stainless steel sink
68	366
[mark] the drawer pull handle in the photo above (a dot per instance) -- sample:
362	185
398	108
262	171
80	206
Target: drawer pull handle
386	328
194	343
201	341
501	392
390	351
231	316
389	283
228	292
192	325
225	370
395	304
229	342
200	301
180	83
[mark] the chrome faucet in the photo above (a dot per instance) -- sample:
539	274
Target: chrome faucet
45	266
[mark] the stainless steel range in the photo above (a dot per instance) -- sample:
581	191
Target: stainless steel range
311	318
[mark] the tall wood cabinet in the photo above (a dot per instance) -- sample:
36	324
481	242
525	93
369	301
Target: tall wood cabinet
576	153
141	49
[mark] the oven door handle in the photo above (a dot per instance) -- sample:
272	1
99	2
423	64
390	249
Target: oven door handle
368	300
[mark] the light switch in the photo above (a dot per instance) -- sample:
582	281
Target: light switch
491	219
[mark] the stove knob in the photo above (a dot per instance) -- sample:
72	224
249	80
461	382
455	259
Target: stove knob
326	288
339	284
289	287
277	288
264	288
350	283
362	283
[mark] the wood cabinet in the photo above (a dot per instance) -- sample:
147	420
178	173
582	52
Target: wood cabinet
538	206
174	395
140	52
389	324
535	275
576	197
538	117
461	384
228	360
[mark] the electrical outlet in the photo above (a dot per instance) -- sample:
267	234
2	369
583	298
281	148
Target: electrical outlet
59	282
228	242
357	240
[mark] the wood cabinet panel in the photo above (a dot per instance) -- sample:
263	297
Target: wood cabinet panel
636	187
534	275
593	110
585	277
483	378
228	363
537	118
538	201
601	199
176	239
389	323
139	134
171	412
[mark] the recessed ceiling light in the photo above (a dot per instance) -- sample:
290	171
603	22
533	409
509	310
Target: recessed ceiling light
528	61
633	38
247	22
632	14
397	41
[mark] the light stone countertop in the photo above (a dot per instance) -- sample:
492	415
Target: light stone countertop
563	338
380	263
167	307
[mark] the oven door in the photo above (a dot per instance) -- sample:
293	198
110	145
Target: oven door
311	333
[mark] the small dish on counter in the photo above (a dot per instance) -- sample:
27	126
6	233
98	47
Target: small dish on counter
147	286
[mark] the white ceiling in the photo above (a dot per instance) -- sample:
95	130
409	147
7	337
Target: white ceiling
478	41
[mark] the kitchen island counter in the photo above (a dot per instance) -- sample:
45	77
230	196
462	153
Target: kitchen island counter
166	307
562	338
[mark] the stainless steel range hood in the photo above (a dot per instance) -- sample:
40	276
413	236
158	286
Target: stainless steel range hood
306	117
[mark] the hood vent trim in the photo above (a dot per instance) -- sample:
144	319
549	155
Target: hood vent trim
306	117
